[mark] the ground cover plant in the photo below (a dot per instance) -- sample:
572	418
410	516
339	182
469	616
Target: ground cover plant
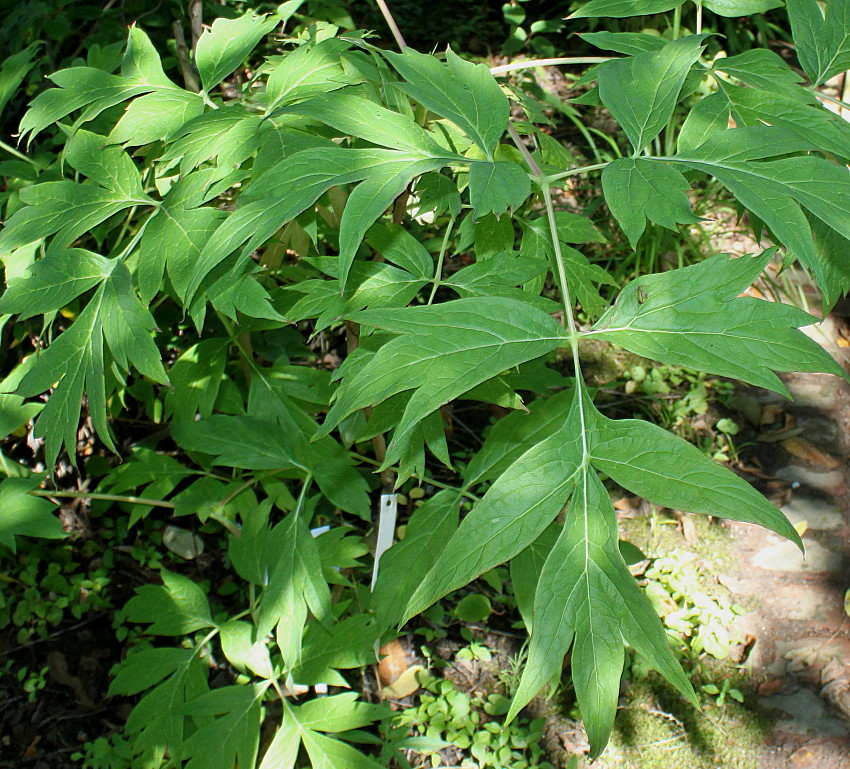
289	280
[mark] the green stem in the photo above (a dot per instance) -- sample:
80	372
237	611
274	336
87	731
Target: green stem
438	273
677	22
20	155
572	172
302	495
515	65
421	478
827	97
543	184
699	17
106	497
247	485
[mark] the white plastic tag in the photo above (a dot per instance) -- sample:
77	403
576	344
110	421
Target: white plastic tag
386	530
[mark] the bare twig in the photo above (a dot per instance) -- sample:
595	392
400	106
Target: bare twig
190	79
196	20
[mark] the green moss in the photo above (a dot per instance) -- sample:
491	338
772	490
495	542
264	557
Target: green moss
657	729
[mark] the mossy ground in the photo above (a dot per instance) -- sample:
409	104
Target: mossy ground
656	728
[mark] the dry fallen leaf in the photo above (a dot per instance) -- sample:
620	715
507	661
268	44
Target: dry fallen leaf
769	414
405	685
770	687
394	662
804	450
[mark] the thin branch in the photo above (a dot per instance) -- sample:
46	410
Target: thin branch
388	17
107	497
21	156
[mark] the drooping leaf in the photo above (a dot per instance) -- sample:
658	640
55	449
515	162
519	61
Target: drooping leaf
695	317
833	252
667	470
513	513
526	568
588	601
227	43
641	91
777	191
812	122
13	70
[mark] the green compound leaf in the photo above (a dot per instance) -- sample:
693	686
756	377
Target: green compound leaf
229	135
114	327
403	566
822	43
641	91
232	716
176	608
156	116
695	317
497	187
778	191
25	515
637	189
586	591
764	69
587	600
491	335
64	209
465	93
225	45
157	725
144	669
513	513
287	189
306	72
109	166
355	116
294	585
53	282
